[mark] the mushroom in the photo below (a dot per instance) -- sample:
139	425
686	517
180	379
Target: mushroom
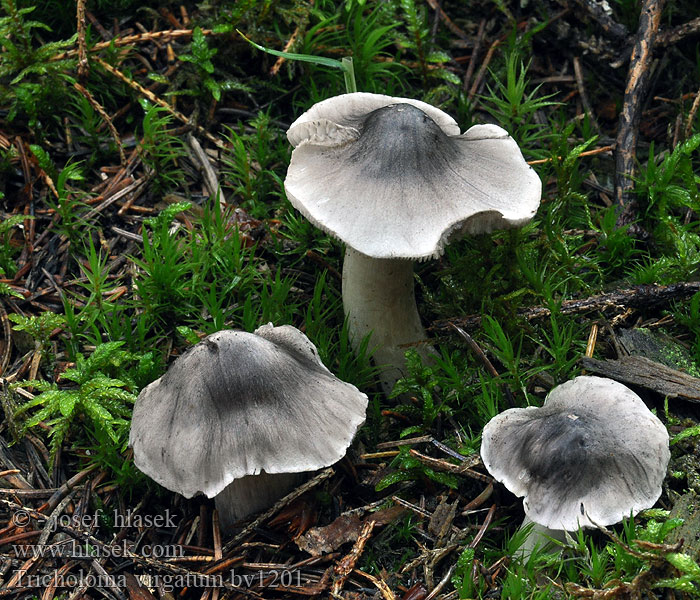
238	417
394	179
590	456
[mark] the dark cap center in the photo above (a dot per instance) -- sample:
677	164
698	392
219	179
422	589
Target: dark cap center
399	141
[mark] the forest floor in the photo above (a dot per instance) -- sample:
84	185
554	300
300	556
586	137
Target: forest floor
142	207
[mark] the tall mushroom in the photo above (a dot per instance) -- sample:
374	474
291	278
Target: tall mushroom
240	415
590	456
394	179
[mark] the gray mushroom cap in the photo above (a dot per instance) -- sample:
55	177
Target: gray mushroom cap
590	456
238	404
392	177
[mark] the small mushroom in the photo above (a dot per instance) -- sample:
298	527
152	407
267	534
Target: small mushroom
394	179
590	456
238	417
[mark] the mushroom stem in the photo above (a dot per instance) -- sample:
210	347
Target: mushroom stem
378	299
252	493
540	537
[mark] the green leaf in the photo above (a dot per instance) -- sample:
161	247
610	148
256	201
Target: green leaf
577	150
66	403
683	584
655	513
157	77
109	394
99	415
6	290
392	478
100	382
45	398
685	434
223	28
201	50
189	334
42	415
410	430
13	221
684	563
43	159
213	87
448	479
168	214
317	60
465	560
449	76
437	57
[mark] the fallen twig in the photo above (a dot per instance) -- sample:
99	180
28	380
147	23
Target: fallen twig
442	465
128	40
638	297
672	36
131	188
691	115
482	70
5	340
628	130
578	72
103	113
83	67
156	100
649	374
447	21
346	565
475	54
323	475
476	349
592	339
593	152
211	179
386	592
599	15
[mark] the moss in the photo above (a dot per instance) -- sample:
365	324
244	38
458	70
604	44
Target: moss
663	349
676	354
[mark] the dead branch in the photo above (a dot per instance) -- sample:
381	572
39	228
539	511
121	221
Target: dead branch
482	70
673	36
103	113
442	465
211	179
5	340
628	130
541	161
475	54
691	115
155	99
346	565
83	67
638	297
383	588
447	21
649	374
611	27
293	495
587	107
128	40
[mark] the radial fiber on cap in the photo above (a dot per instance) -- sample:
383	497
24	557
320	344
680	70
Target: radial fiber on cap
401	186
592	455
239	403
